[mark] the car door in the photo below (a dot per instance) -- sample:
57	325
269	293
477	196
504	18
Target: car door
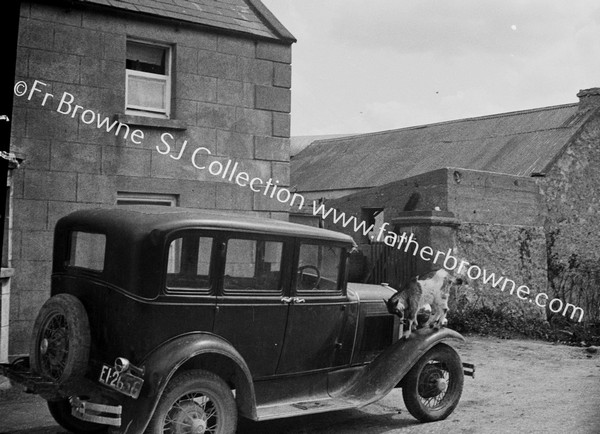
314	337
250	312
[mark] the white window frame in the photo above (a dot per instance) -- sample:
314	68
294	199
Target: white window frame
144	198
151	111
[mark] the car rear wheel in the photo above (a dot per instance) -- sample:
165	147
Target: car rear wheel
60	342
432	388
61	412
195	402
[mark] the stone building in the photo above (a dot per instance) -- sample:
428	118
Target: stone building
515	193
127	102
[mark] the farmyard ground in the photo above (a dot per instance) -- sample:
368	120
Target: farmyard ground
520	386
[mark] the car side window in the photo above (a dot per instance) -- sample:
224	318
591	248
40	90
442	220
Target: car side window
252	265
188	265
318	268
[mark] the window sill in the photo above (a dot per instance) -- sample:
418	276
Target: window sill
146	121
7	272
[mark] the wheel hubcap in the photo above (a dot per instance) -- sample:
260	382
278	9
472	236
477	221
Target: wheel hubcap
54	346
433	384
442	384
192	414
44	346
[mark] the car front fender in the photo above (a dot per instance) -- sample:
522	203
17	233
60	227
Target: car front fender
379	377
166	360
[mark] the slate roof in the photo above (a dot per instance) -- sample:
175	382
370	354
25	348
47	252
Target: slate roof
245	16
517	143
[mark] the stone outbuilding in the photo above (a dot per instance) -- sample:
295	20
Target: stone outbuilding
516	193
119	96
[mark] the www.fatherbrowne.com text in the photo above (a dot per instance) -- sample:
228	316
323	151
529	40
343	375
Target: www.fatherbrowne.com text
231	171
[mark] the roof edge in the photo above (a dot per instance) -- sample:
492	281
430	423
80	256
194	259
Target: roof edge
574	137
422	126
271	20
109	7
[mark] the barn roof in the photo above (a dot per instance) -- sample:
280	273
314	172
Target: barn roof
298	143
245	16
516	143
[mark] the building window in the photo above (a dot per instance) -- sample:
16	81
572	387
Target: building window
125	198
148	84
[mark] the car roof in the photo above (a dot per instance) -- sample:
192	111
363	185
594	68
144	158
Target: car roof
143	219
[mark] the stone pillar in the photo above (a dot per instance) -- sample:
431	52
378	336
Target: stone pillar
5	276
436	229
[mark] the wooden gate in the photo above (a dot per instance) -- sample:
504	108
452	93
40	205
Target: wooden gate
390	265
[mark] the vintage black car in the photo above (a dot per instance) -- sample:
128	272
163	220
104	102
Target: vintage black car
170	320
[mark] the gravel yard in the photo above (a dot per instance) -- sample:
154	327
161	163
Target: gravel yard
520	386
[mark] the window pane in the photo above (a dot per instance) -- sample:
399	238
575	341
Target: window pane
253	265
204	250
146	58
87	250
174	263
146	93
125	198
188	265
318	268
241	258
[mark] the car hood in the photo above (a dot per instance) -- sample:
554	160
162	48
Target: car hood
368	292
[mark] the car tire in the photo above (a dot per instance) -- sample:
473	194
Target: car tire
432	388
60	343
61	412
194	401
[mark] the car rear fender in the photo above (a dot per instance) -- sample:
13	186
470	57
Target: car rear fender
191	351
384	373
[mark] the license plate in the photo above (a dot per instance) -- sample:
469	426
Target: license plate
123	382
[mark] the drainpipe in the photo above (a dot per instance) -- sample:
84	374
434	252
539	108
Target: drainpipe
9	28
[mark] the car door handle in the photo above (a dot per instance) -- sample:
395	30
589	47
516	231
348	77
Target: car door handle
287	300
298	300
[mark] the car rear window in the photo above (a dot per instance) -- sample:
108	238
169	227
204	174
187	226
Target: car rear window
87	250
188	266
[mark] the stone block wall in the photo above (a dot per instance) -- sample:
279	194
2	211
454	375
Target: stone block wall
497	225
572	198
501	230
230	95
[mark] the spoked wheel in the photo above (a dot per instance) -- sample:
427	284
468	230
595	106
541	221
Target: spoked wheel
433	387
61	339
54	346
195	402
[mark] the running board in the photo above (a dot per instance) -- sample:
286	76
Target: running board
302	408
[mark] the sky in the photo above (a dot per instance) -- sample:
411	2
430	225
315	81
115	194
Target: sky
371	65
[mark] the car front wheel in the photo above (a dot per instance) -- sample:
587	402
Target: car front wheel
432	388
195	402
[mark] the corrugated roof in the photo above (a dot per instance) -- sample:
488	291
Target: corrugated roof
298	143
246	16
517	143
